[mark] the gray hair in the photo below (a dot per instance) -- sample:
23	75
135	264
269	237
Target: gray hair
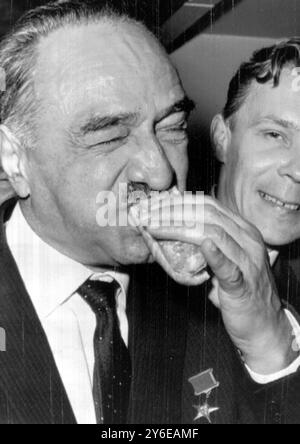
18	106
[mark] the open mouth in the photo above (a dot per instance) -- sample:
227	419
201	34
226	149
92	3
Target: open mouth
288	206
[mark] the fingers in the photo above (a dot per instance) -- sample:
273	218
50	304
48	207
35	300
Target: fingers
228	274
192	215
229	247
182	234
212	206
187	226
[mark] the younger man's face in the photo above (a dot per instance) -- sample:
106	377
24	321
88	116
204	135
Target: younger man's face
261	155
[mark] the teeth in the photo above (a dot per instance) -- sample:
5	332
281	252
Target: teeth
292	207
279	203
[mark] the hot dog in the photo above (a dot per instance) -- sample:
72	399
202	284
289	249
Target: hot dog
183	262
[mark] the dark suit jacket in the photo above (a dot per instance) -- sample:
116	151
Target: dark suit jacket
279	402
239	398
30	386
181	334
175	333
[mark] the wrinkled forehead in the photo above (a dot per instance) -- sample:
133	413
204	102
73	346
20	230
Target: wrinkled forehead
112	65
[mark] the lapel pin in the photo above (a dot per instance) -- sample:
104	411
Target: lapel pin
204	384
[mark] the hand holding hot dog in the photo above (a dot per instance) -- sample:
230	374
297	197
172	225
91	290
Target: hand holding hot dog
247	295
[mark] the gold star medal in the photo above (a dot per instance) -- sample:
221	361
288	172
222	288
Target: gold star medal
203	385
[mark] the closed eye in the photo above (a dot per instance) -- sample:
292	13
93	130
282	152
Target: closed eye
110	144
178	127
182	127
111	141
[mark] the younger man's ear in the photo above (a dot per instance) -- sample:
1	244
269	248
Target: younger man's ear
220	137
12	158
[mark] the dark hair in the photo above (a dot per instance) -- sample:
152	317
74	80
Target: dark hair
266	65
18	51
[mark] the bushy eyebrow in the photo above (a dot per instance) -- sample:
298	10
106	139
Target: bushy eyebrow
98	123
185	105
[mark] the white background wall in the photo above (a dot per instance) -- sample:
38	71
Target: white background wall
206	66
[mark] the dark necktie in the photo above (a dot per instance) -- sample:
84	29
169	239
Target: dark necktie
112	371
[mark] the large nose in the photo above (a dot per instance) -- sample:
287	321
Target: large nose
151	166
290	167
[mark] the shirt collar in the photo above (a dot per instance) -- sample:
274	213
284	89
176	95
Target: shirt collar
50	277
273	255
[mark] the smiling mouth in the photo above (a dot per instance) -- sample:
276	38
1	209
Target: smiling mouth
288	206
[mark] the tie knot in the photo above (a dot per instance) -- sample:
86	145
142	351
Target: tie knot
99	295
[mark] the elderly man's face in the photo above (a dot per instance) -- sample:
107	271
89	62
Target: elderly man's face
112	112
261	172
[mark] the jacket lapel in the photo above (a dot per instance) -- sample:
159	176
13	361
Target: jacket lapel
209	347
30	385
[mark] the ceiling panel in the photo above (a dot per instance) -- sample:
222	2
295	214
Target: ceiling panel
196	16
251	18
184	18
261	18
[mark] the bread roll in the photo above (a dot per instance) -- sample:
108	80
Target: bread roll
182	261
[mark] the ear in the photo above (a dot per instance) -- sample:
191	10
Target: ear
13	162
220	137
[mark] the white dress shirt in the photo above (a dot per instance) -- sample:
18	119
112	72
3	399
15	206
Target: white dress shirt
266	379
52	280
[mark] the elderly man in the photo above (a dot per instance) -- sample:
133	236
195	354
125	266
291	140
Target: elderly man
257	140
92	102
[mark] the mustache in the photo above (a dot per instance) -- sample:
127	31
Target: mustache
134	187
138	191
